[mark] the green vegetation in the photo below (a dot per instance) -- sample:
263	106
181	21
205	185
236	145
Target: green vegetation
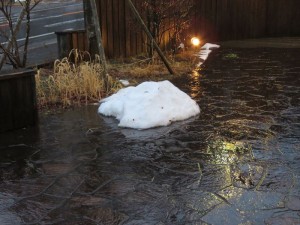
231	56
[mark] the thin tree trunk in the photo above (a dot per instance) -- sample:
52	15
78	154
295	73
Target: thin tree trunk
27	6
13	37
101	52
160	53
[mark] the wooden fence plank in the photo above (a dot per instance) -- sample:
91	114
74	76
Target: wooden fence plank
80	41
128	30
103	21
133	32
139	31
122	28
75	40
116	30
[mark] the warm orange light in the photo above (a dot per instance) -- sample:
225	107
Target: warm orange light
195	41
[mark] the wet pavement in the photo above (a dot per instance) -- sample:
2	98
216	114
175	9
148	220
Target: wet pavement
237	163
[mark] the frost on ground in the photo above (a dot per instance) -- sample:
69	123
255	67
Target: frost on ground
150	104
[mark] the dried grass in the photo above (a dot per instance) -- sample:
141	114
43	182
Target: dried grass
73	83
81	83
141	68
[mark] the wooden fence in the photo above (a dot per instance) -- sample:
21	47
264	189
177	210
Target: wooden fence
122	36
213	20
240	19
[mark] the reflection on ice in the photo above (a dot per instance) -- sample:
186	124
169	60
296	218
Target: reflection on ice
147	134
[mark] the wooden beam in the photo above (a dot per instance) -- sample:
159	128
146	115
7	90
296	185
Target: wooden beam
140	20
100	48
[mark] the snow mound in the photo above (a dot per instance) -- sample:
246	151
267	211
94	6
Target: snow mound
203	54
150	104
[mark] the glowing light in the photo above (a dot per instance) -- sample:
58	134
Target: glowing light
195	41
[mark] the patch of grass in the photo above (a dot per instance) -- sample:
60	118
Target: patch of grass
231	56
72	83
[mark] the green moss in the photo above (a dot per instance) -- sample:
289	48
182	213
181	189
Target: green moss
231	56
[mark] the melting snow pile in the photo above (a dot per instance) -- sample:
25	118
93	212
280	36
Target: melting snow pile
150	104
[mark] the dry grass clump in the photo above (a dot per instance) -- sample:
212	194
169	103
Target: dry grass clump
73	83
142	68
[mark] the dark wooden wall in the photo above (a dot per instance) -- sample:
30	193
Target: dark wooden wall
213	20
240	19
121	36
17	100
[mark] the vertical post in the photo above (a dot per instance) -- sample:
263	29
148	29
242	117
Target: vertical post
89	27
140	20
97	30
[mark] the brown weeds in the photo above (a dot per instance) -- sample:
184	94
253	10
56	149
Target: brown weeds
73	83
77	79
141	68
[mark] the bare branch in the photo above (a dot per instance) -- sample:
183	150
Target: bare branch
35	3
10	48
170	17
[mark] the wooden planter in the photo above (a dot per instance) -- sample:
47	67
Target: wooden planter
18	107
71	39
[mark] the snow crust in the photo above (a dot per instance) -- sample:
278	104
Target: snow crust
150	104
208	46
125	82
205	51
